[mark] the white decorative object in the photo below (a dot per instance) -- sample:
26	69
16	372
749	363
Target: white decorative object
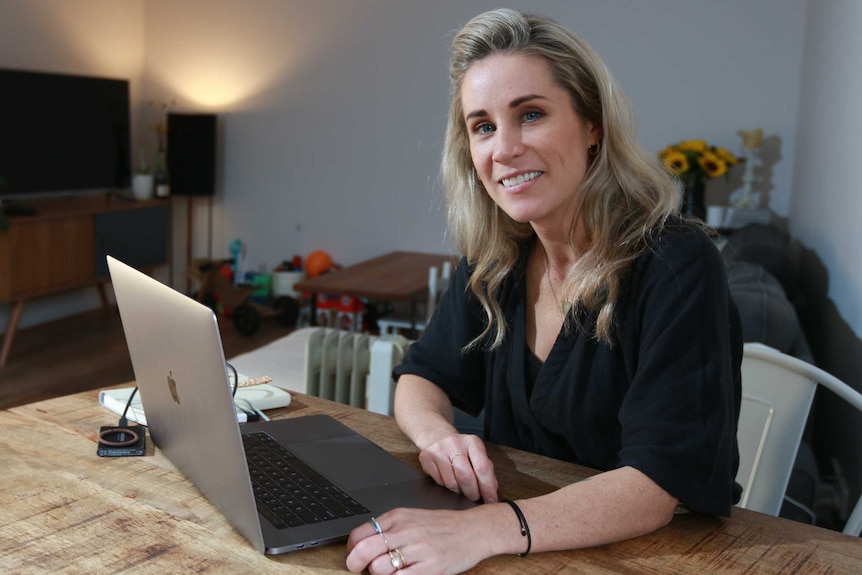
751	142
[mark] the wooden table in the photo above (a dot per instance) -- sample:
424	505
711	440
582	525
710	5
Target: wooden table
65	511
396	276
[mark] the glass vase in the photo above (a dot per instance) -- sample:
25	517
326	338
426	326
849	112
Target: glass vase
693	199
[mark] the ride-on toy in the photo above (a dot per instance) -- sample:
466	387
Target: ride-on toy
219	293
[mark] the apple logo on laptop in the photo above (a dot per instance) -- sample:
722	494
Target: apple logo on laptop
172	385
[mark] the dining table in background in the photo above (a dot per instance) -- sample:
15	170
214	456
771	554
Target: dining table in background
398	276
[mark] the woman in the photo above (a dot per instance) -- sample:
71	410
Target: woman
587	320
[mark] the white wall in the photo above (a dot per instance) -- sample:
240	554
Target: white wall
332	113
827	195
826	212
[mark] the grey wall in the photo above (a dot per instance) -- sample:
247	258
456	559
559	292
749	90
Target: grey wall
340	127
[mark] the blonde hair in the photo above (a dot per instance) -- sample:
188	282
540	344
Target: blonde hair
625	198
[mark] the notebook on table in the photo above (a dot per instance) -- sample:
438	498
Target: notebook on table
249	399
284	484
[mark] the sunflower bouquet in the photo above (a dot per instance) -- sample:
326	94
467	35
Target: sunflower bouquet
695	161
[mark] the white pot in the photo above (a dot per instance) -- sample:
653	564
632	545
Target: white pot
142	186
715	216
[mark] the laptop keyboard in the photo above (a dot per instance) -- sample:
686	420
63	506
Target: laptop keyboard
289	493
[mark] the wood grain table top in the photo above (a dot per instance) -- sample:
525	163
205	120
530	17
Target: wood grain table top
65	511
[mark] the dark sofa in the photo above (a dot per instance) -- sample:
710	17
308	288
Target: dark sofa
761	275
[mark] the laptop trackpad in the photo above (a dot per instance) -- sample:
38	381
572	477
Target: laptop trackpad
354	463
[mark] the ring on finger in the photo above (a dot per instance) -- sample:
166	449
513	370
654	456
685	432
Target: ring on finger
397	559
376	526
452	457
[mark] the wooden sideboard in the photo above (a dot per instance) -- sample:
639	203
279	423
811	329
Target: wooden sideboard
62	247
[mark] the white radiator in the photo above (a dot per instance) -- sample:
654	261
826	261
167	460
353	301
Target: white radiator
353	368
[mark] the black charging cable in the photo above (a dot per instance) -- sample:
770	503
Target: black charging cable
112	435
123	420
235	379
250	416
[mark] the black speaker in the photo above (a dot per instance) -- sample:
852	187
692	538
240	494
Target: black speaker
191	154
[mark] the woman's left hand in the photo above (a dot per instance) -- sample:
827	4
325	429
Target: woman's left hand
418	541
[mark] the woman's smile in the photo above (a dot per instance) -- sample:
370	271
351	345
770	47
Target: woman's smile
519	179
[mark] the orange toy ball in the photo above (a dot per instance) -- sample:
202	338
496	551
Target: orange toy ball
317	262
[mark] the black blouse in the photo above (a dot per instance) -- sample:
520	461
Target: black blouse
664	398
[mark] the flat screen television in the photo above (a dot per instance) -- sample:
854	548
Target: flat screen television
62	134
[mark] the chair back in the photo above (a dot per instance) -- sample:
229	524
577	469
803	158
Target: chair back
777	393
438	283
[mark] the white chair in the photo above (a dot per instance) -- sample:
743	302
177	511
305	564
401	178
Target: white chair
777	392
438	283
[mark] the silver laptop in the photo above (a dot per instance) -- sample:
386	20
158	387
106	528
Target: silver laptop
331	478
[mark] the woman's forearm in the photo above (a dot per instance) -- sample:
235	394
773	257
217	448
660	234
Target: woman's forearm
422	410
612	506
457	461
609	507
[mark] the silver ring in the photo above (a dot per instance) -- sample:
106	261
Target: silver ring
397	559
376	526
452	458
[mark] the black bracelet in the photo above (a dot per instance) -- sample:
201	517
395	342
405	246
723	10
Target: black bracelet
525	529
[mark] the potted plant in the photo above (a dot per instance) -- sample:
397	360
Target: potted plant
142	179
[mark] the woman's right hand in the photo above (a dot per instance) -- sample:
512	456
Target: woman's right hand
456	461
460	463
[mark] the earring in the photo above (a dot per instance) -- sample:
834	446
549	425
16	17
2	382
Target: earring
593	149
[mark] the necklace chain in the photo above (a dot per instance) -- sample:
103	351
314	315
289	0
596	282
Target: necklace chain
563	307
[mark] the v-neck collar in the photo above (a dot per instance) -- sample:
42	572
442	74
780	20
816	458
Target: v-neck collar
551	368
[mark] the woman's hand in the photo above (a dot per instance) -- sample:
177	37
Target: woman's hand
417	541
455	461
460	464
